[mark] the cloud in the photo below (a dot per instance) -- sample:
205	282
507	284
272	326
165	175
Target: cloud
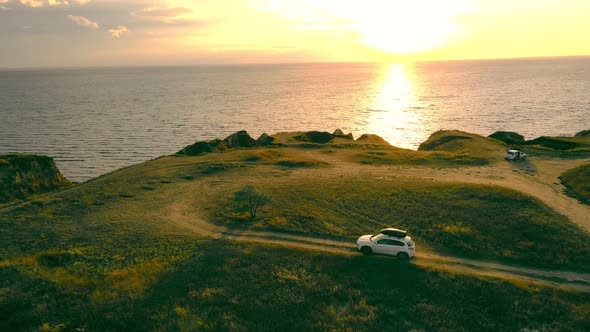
83	21
32	3
116	33
43	3
51	3
169	15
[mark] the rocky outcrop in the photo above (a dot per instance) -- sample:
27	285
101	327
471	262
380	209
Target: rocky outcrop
340	134
240	139
554	143
265	140
320	137
24	175
201	147
508	137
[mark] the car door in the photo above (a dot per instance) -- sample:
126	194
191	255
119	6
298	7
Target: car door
397	246
386	246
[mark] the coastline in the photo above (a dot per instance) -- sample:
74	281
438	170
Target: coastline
95	121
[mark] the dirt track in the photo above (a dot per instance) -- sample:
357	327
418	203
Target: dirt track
580	281
539	181
537	178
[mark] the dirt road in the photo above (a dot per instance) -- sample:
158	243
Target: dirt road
179	214
537	178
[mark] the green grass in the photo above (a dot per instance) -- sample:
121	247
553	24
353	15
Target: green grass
395	156
473	221
475	148
443	149
288	158
557	147
563	143
539	151
218	285
104	255
577	182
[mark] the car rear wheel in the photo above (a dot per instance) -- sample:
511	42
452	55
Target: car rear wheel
366	251
403	256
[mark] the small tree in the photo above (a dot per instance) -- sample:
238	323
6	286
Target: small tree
251	200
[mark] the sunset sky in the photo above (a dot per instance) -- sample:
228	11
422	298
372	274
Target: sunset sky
50	33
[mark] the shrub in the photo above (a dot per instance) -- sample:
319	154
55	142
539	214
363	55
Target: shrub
249	199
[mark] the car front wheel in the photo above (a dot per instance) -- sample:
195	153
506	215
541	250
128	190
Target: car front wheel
366	251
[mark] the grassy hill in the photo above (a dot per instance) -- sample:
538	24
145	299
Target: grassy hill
474	221
109	254
577	182
473	149
558	147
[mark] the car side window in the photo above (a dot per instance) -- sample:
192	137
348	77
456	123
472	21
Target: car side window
390	242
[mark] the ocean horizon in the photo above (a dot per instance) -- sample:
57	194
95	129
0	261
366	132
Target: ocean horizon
95	120
232	64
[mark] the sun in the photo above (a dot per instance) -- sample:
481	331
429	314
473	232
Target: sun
391	26
404	34
406	26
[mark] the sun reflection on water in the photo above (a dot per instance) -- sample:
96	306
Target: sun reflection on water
396	89
393	114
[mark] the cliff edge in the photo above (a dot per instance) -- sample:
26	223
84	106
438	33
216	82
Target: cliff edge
24	175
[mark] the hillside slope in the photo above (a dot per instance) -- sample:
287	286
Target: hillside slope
162	246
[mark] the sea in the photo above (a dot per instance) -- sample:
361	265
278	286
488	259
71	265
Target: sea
96	120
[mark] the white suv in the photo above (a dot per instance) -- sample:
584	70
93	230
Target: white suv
402	247
514	155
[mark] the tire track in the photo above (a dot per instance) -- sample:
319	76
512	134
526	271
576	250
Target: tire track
571	280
